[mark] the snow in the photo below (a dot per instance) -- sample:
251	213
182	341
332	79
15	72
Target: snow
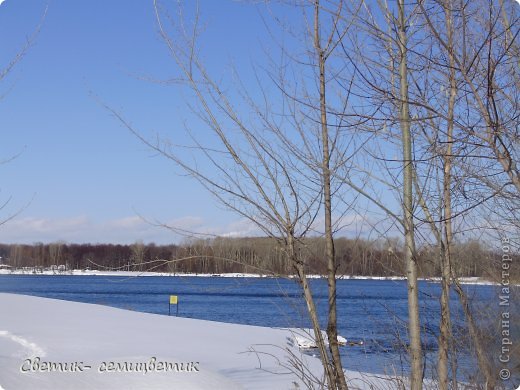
75	272
32	349
305	339
58	340
30	271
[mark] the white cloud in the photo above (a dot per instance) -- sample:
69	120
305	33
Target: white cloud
125	223
240	228
188	222
129	229
126	230
197	227
46	226
74	229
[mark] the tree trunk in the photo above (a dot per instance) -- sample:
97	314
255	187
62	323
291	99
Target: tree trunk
483	362
445	331
332	326
445	322
414	328
311	308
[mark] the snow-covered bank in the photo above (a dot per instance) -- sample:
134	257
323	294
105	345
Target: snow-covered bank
49	344
30	271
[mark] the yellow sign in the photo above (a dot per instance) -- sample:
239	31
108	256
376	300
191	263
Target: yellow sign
173	299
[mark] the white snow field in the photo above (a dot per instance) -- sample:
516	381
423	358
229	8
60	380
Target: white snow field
50	344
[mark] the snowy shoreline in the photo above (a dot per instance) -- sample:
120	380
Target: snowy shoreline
54	344
78	272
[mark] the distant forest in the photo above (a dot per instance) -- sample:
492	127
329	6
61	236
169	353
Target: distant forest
248	255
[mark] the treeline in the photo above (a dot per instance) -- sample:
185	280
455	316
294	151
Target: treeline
248	255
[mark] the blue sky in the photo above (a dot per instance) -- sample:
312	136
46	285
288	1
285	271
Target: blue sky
80	176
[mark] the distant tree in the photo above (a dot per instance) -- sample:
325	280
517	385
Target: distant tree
55	253
137	258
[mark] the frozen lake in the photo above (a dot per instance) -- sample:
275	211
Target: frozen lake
372	311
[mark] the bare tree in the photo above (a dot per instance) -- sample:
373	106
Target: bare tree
482	63
283	167
138	254
380	53
246	165
408	172
404	82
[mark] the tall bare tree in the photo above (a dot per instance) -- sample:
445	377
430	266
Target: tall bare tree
253	167
322	54
281	168
414	327
379	54
483	61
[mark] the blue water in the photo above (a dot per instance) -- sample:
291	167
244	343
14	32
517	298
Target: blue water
372	311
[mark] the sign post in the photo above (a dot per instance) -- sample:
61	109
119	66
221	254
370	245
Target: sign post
173	301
